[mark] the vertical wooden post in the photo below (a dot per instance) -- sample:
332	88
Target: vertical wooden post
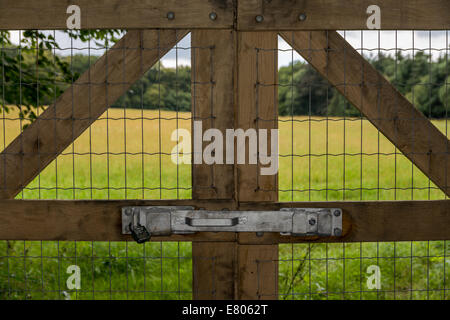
213	72
257	108
234	88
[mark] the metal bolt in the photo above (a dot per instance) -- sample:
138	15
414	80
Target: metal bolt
302	17
337	213
170	15
337	232
259	18
312	222
260	234
213	16
128	212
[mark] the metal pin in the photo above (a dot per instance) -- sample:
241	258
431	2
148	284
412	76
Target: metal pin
302	17
213	16
259	18
170	15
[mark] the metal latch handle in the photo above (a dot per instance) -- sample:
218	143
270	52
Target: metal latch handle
198	222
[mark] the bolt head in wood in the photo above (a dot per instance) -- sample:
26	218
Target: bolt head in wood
259	18
170	15
337	232
213	16
337	213
302	17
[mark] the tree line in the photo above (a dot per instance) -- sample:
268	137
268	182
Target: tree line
42	76
423	81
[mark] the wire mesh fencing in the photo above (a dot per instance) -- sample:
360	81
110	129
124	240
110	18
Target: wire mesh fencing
328	151
376	271
343	155
125	154
107	270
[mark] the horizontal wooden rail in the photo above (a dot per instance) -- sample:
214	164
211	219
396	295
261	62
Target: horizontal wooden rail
272	15
369	221
100	220
116	14
342	14
81	220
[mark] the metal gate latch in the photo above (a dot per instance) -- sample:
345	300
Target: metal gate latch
144	222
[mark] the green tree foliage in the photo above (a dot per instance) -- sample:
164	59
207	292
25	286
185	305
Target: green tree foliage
424	83
444	96
160	88
43	76
32	76
302	91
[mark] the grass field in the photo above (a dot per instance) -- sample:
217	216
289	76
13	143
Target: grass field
117	158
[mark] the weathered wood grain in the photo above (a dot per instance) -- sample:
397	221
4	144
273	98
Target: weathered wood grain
213	69
116	14
342	15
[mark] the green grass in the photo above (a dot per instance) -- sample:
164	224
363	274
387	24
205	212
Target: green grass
116	270
96	167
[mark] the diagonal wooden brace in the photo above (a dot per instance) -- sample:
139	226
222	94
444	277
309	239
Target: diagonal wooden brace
388	110
80	105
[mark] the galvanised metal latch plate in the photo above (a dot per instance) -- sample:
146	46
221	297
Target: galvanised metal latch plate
144	222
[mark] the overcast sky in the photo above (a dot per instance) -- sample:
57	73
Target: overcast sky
387	41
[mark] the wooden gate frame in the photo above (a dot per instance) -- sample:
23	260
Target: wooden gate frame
235	33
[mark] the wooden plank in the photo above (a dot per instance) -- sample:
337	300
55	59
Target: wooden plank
213	278
258	270
97	220
80	105
342	15
278	14
257	107
388	110
372	221
100	220
116	14
213	66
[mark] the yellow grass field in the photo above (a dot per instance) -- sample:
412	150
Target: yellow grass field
126	154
